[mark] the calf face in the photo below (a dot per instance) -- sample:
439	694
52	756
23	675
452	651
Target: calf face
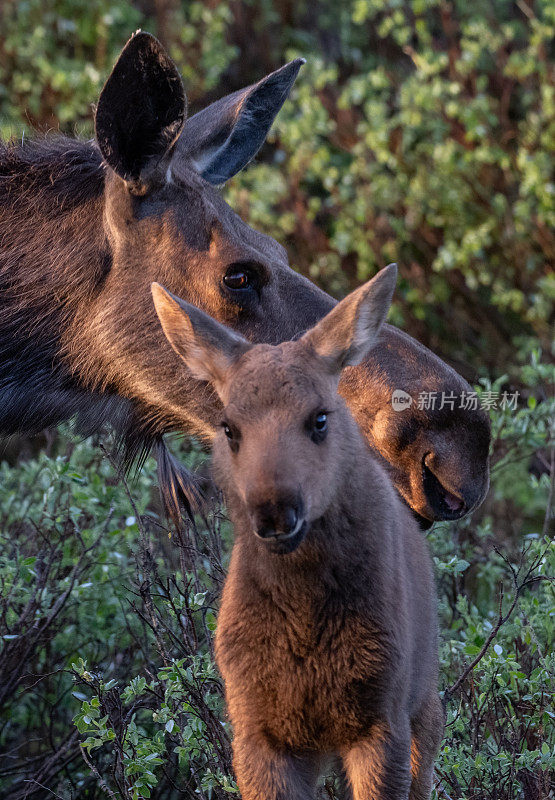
327	634
286	429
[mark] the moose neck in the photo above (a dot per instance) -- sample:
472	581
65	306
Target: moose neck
53	257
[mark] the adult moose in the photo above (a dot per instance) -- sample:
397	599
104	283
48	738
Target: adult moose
85	227
327	632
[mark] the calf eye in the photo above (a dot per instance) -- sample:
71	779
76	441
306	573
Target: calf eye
317	426
321	422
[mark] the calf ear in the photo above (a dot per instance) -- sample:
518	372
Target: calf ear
141	109
207	348
225	136
345	336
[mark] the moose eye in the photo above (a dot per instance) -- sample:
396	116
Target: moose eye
237	280
321	422
318	427
242	277
232	436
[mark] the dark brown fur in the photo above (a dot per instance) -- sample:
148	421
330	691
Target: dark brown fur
327	633
85	227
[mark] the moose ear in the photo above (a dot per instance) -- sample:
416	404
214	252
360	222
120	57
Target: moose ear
221	139
141	109
207	348
345	336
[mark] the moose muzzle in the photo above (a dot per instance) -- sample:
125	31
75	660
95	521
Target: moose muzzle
280	524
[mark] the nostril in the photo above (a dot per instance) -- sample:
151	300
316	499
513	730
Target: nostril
290	518
277	519
265	525
265	519
264	531
453	503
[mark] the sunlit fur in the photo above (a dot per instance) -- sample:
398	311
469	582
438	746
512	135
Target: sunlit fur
327	638
333	647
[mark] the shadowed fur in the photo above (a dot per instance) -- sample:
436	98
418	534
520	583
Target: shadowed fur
85	227
327	633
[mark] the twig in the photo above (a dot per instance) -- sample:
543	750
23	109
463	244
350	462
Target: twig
440	789
525	8
144	554
42	786
501	619
549	509
101	782
493	633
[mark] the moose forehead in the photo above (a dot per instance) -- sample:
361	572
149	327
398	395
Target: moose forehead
191	210
283	376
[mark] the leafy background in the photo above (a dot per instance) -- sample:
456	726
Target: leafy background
420	131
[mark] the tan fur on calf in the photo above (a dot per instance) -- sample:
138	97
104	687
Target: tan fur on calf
327	633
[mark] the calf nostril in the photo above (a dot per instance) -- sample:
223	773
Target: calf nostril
265	526
265	520
277	519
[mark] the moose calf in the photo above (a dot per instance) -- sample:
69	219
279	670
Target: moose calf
327	633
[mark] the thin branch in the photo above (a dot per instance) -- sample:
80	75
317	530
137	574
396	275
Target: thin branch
101	782
493	633
529	578
549	509
42	786
440	789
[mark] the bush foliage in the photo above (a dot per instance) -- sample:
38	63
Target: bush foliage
419	131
